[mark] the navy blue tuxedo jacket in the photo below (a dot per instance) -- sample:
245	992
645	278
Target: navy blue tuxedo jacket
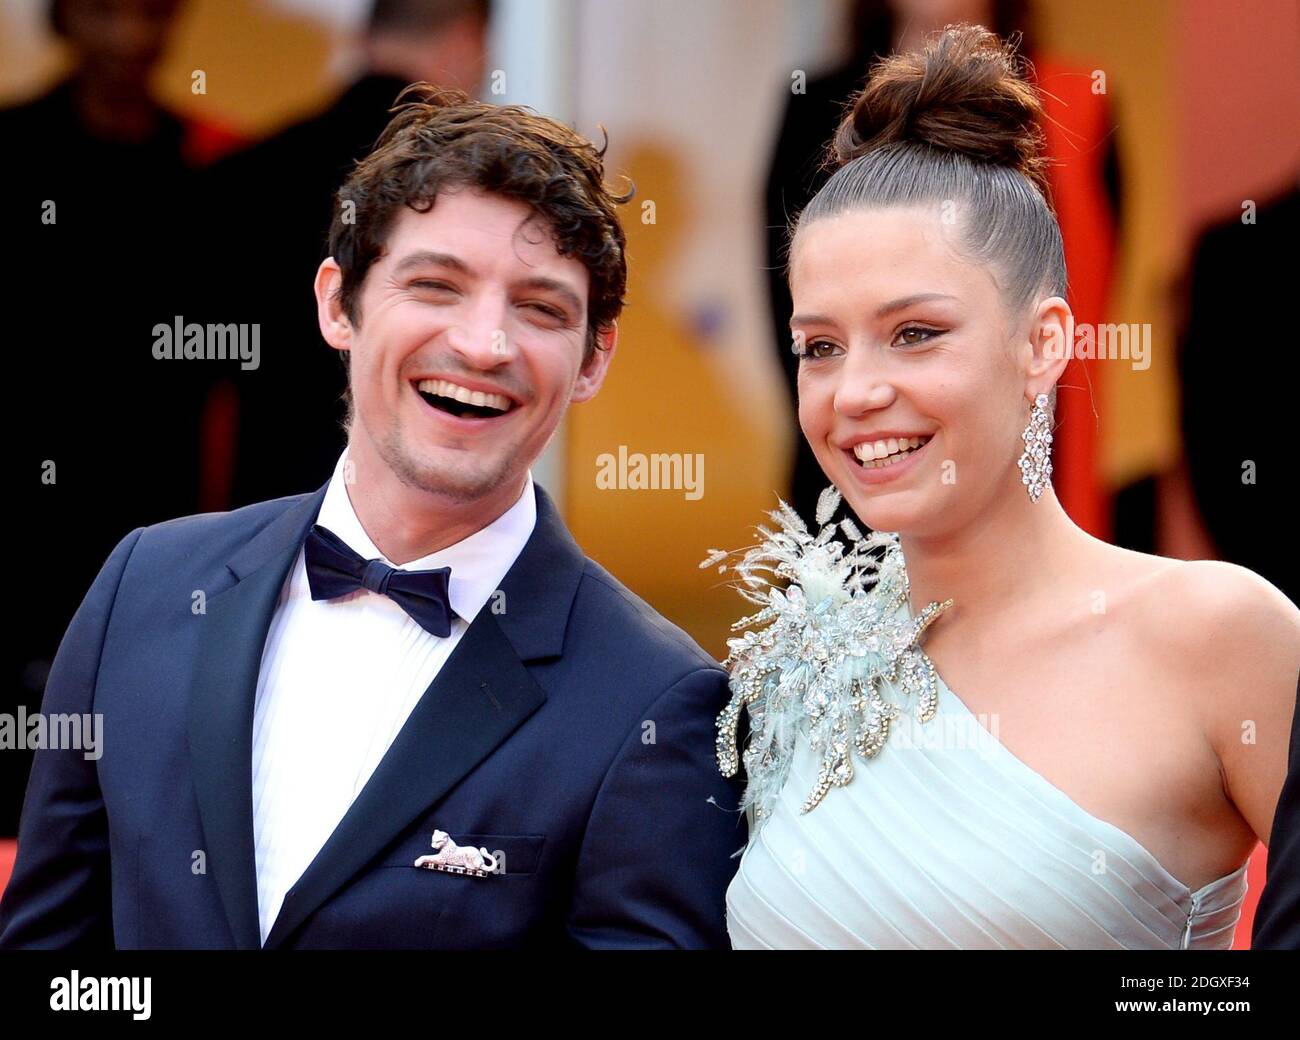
573	731
1277	918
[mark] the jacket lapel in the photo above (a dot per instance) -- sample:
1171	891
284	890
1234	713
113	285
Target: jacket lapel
220	720
482	694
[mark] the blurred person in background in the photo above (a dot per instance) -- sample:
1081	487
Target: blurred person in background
1237	462
1242	485
278	429
94	190
1085	182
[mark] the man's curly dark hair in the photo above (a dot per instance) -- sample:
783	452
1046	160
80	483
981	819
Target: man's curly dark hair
441	138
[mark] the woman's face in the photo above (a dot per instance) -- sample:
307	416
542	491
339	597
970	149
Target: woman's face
914	383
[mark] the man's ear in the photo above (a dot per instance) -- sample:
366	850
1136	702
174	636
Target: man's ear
334	324
1051	345
593	372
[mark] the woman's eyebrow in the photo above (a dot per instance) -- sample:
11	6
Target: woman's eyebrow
810	319
885	309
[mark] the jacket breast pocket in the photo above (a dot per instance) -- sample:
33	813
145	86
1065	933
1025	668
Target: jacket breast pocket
510	854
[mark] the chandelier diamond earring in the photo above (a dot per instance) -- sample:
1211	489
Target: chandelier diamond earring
1036	462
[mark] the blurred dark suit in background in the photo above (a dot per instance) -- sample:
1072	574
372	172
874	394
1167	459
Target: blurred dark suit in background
95	192
1238	388
1277	918
270	208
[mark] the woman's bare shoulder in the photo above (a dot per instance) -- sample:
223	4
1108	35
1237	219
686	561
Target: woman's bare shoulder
1233	639
1215	627
1210	603
1239	638
1191	605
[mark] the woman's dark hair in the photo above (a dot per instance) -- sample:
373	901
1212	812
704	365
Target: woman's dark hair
957	123
441	139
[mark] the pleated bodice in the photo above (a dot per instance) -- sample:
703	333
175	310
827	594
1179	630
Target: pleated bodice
946	839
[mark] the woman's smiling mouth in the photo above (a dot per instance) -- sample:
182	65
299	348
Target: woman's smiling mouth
887	452
880	459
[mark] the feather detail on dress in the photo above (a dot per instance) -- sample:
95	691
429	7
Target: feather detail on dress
827	653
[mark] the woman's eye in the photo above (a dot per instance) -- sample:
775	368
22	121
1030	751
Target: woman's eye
817	349
913	335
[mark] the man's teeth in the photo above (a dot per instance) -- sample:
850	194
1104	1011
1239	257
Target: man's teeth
874	454
445	388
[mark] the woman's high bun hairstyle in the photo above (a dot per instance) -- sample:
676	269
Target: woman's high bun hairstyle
957	123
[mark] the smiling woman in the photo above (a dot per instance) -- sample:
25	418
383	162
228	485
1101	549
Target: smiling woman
1117	809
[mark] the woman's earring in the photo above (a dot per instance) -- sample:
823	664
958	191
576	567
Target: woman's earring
1036	462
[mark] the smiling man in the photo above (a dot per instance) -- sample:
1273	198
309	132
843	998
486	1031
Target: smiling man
404	711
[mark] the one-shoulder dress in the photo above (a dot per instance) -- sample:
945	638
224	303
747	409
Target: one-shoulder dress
942	838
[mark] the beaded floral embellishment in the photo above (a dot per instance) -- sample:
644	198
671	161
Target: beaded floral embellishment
829	653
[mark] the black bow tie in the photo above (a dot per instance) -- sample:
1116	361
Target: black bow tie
334	570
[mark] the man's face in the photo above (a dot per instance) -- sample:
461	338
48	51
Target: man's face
119	39
469	345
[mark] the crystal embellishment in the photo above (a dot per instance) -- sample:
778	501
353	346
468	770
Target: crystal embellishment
1036	462
832	653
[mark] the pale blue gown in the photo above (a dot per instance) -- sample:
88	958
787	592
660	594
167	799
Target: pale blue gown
947	840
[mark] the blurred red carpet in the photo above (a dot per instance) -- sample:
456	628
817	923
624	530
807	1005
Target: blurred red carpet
8	847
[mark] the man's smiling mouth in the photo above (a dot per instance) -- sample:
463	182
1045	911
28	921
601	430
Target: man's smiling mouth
461	401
